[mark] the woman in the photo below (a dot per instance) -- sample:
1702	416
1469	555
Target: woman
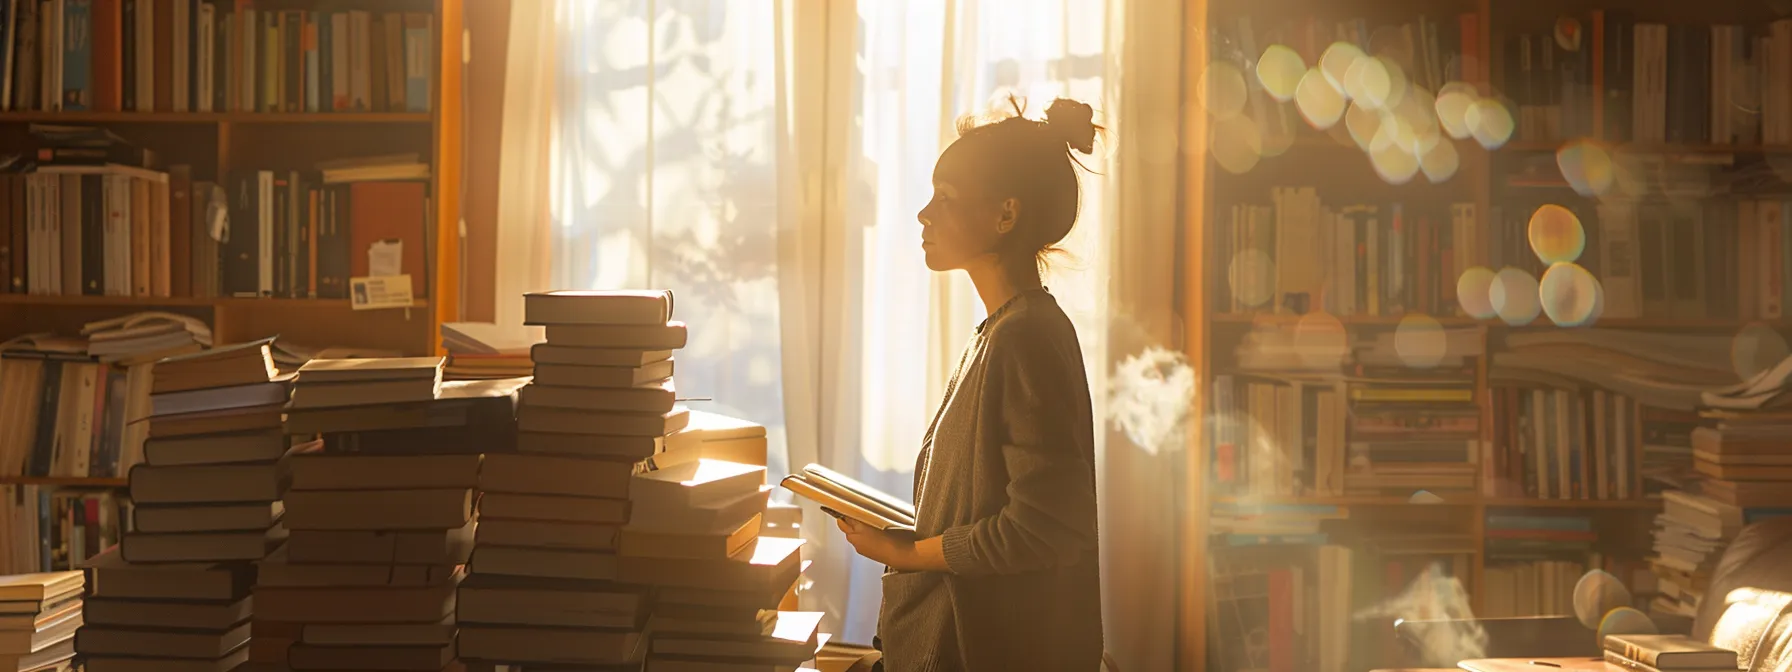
1002	572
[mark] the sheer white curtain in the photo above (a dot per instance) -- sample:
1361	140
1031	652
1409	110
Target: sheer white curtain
765	159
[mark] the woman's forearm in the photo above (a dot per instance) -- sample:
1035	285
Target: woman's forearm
926	555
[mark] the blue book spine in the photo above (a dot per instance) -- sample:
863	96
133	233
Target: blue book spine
325	63
77	55
417	62
314	29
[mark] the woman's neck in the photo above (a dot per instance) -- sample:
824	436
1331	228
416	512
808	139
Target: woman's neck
996	286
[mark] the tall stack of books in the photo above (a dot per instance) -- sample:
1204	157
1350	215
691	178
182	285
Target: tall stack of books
382	517
544	583
1743	476
694	534
39	614
208	503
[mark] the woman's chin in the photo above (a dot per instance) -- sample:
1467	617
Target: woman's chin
935	261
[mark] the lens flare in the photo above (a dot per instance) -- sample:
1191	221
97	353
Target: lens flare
1556	235
1280	70
1441	162
1319	103
1625	621
1755	349
1587	167
1222	90
1420	341
1596	594
1320	341
1252	276
1236	144
1489	122
1567	294
1337	61
1473	292
1514	296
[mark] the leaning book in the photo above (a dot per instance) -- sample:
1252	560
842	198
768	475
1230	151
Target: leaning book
845	497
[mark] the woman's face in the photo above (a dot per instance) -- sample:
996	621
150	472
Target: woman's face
961	226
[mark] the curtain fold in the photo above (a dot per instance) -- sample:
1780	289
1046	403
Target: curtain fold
525	167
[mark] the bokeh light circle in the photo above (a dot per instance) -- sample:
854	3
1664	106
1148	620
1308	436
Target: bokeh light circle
1555	234
1318	101
1587	166
1452	106
1222	90
1280	70
1756	348
1337	61
1514	296
1252	277
1320	341
1441	162
1236	144
1568	294
1420	341
1473	292
1489	122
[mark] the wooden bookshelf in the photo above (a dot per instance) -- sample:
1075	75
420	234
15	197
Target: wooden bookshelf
1322	158
218	144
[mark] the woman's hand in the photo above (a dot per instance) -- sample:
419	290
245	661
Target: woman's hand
899	552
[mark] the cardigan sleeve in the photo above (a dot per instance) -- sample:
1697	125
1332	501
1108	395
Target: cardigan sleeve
1049	518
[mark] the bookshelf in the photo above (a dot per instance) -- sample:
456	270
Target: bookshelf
223	143
1487	181
285	133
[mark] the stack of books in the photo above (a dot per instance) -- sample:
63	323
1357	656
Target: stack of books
544	583
129	339
719	437
382	518
190	615
208	503
480	350
39	614
694	535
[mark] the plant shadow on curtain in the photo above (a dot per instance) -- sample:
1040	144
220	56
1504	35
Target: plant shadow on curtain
665	176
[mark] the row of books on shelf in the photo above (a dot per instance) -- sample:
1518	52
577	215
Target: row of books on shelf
51	529
1288	436
120	231
1308	554
1650	82
214	56
1693	259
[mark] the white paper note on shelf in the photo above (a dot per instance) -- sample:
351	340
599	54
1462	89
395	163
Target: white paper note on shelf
385	258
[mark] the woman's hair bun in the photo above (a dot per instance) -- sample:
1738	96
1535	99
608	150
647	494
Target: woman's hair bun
1073	121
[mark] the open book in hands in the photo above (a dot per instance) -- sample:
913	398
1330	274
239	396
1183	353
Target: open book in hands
843	497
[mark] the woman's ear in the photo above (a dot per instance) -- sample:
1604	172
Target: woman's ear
1010	214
